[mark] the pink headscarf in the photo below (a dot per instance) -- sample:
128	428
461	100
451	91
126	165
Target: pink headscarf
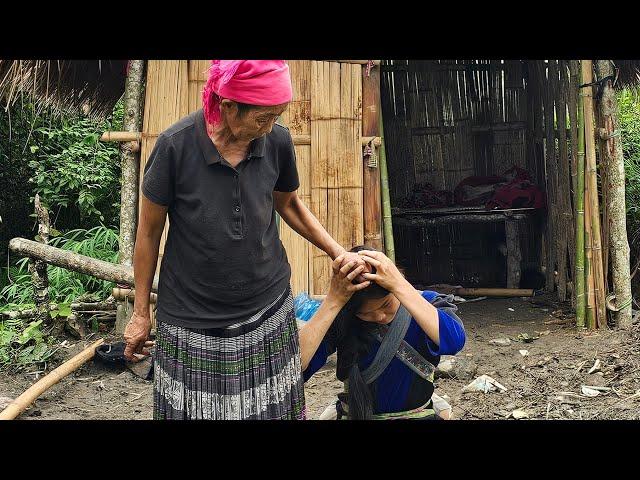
254	82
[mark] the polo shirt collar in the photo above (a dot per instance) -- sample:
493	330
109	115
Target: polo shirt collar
209	150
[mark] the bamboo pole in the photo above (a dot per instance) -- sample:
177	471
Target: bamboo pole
590	312
21	403
579	205
591	197
615	203
473	292
132	136
386	201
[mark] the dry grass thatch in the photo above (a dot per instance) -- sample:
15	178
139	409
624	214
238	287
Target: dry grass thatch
628	73
94	86
90	86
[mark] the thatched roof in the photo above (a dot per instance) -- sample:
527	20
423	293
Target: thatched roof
94	86
91	86
628	73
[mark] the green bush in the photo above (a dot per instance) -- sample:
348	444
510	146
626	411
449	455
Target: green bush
629	114
74	169
65	286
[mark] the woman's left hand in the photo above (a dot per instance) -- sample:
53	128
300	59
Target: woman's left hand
387	274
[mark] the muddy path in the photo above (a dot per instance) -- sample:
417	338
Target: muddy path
544	383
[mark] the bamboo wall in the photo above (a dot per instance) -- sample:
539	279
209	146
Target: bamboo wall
449	119
325	120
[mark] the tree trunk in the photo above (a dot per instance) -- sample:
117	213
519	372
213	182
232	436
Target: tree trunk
130	161
38	268
615	205
112	272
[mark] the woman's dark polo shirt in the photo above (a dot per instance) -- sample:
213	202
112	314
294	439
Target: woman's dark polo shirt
223	261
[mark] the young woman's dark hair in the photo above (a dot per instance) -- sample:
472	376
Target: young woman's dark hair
352	342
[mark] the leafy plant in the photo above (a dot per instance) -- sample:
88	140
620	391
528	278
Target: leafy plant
73	168
23	345
629	116
65	286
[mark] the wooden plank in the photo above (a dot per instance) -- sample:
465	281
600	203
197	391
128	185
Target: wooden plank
372	211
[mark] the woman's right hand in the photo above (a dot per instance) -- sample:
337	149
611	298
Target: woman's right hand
342	287
136	334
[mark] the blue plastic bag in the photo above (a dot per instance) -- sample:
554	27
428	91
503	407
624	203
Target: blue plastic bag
305	306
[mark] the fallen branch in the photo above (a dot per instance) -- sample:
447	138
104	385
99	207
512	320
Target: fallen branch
21	403
112	272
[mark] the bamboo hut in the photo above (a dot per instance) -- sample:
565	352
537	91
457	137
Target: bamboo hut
444	121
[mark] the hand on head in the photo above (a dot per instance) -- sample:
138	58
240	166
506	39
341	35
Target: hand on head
358	261
386	273
345	271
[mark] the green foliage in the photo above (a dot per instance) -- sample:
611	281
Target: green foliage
65	286
629	116
73	168
23	345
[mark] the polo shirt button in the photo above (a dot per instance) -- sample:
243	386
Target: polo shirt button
237	209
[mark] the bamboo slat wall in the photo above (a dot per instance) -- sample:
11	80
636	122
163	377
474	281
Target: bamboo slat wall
298	119
336	159
327	106
449	119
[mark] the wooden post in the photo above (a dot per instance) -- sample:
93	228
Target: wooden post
615	204
514	255
38	268
130	160
371	181
591	181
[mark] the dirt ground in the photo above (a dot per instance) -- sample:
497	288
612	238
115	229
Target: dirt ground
545	383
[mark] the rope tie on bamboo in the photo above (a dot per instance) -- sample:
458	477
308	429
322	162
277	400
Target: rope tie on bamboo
370	154
601	84
370	65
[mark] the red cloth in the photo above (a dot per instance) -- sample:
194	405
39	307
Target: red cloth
513	189
519	192
254	82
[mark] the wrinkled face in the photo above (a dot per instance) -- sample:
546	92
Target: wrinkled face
377	310
253	123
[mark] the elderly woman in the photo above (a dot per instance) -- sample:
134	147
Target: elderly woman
227	344
388	337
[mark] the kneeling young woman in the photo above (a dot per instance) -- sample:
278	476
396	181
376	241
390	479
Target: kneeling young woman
388	337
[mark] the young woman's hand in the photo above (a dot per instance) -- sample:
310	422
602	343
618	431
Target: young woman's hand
353	257
342	287
387	274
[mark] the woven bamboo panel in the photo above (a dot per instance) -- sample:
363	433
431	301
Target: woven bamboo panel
166	101
336	159
327	106
298	119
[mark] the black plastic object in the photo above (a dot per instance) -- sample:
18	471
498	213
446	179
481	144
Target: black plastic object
111	354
